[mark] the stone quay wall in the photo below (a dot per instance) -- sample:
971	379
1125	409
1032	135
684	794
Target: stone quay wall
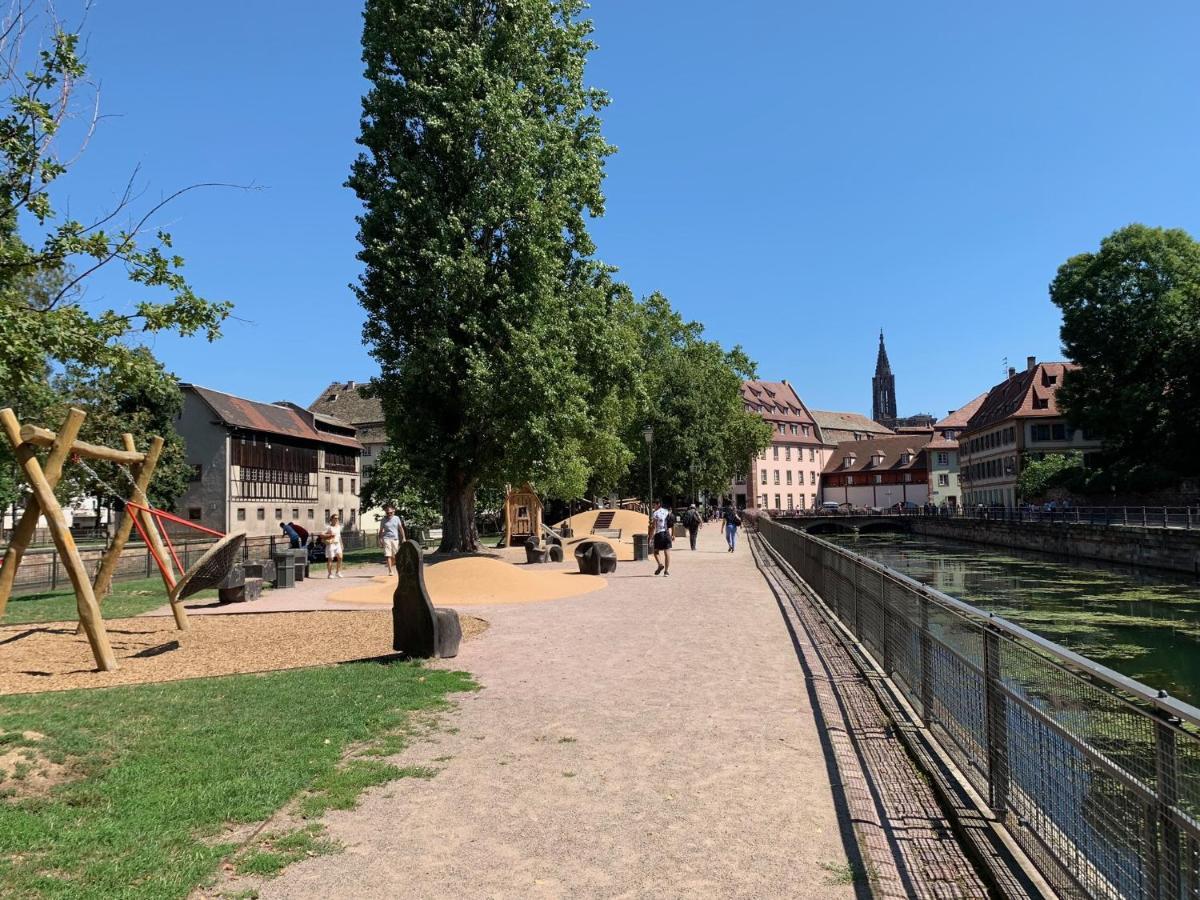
1172	549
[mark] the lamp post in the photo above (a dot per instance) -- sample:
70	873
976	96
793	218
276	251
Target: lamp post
692	472
648	434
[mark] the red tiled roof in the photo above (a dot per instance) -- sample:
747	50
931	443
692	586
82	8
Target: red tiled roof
891	447
270	418
1015	396
958	418
777	401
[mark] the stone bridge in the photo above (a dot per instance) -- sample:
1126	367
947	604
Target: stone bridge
848	523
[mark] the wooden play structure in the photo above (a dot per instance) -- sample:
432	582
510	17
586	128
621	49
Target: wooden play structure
42	478
522	515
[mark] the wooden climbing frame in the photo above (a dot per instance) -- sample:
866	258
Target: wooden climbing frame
42	479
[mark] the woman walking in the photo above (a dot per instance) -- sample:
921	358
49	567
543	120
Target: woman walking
333	547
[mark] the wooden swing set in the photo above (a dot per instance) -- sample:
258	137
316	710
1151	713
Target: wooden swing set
43	477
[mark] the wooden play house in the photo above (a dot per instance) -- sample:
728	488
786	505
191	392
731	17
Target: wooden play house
522	514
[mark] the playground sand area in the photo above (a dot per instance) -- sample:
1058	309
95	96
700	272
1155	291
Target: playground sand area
627	521
51	657
480	581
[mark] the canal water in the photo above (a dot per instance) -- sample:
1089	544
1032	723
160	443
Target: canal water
1143	624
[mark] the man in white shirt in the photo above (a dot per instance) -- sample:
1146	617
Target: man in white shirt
661	521
391	535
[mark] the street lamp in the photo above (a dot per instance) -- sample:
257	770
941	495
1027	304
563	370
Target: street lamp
648	434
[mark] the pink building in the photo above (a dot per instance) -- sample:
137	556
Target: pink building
787	475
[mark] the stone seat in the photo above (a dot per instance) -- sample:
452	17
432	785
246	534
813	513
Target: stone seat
419	629
250	589
595	557
534	553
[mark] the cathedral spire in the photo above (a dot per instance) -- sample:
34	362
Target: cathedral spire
883	389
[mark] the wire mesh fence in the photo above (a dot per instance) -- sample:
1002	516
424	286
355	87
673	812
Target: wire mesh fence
42	569
1097	776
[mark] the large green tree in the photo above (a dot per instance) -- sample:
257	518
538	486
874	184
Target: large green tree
703	435
1131	319
501	357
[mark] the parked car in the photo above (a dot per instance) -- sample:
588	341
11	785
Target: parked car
904	506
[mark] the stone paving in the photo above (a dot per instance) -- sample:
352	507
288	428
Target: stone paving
651	739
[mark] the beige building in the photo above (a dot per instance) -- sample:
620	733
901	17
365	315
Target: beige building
1018	419
348	402
943	452
256	465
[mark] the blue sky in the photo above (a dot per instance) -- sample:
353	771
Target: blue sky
795	176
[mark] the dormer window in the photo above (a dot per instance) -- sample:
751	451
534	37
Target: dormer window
1041	403
877	459
849	460
905	458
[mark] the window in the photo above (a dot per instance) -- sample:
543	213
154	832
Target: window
341	485
762	500
764	475
366	450
806	430
908	477
775	453
1051	379
879	479
342	516
1041	402
814	500
777	476
943	480
261	514
341	462
812	455
795	429
787	454
241	514
789	476
791	504
1059	432
326	482
782	428
849	479
776	506
763	456
326	515
353	484
1039	432
295	513
194	513
197	472
812	477
278	513
311	513
943	459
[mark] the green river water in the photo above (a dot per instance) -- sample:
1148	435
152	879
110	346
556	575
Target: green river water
1143	624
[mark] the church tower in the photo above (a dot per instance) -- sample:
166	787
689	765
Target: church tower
883	389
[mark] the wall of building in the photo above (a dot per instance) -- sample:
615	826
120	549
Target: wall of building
948	494
771	471
865	493
1161	548
206	446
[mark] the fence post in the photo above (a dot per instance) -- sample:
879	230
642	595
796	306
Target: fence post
926	664
1124	515
1166	773
54	569
995	723
887	622
857	604
1144	523
1165	520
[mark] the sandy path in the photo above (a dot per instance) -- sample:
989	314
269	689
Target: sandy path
630	743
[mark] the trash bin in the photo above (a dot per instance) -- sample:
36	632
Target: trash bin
285	568
300	565
566	531
640	546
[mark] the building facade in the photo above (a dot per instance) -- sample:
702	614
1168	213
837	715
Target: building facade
256	465
877	473
837	427
1018	419
785	476
349	401
942	450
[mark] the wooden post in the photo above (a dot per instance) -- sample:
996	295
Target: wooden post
23	533
155	541
89	611
143	475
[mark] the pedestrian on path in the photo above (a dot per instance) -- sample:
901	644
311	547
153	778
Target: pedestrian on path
661	522
732	521
333	547
391	535
691	521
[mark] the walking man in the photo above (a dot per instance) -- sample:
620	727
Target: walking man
691	521
661	521
333	547
732	521
391	535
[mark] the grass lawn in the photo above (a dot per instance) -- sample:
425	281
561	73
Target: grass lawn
155	774
128	598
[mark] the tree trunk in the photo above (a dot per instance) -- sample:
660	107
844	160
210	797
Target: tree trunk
459	534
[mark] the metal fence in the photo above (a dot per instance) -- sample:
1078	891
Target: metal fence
1096	775
1183	517
42	569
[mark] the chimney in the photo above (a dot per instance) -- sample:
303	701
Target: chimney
785	381
1030	362
1011	371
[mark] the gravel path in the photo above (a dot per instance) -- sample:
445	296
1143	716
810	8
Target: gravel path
654	738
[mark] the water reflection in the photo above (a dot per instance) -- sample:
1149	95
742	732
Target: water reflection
1144	625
